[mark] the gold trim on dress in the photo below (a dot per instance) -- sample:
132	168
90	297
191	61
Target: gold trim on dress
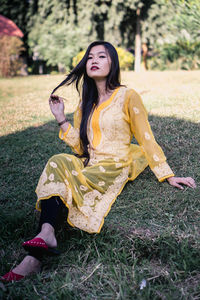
162	171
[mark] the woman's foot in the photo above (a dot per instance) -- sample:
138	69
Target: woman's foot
44	243
47	233
27	266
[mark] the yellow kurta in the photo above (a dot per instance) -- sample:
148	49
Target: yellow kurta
89	192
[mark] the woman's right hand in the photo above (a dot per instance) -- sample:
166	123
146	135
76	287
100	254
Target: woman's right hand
57	107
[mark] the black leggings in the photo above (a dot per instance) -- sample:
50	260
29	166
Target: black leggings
51	211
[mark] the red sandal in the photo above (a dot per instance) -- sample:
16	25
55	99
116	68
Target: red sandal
11	277
38	246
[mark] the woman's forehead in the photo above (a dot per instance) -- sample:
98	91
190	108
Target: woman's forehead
98	49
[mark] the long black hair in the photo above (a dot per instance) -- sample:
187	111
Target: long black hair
88	87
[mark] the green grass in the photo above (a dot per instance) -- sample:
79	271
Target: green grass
152	230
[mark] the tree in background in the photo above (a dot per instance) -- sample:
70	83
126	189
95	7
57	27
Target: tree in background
174	33
60	29
121	23
55	31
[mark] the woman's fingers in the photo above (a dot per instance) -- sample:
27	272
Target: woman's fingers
190	182
56	106
54	99
180	187
178	181
187	181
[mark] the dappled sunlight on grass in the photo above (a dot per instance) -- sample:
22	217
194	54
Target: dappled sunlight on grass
24	101
170	93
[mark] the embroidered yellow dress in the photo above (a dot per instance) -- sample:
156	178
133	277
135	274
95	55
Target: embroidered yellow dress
90	191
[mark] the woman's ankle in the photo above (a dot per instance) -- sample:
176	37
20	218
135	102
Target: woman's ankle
47	228
47	233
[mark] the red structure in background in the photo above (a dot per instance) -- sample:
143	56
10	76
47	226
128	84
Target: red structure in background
11	47
8	27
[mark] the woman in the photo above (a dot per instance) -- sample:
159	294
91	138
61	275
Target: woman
107	117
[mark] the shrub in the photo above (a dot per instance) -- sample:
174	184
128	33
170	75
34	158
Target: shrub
182	55
126	58
10	49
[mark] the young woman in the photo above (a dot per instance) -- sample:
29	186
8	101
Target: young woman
88	183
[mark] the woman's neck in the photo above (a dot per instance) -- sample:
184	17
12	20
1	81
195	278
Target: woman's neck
103	93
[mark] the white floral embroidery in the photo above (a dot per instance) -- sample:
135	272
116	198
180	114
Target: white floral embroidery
83	188
147	136
74	173
68	158
102	169
51	177
76	189
53	164
90	197
118	165
66	181
101	183
72	137
136	110
66	173
93	161
155	157
116	159
162	170
69	201
84	170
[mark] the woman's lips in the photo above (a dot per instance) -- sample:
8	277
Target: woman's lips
94	68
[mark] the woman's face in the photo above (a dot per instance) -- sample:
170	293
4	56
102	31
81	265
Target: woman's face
98	63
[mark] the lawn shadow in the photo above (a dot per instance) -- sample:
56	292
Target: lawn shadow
25	153
151	225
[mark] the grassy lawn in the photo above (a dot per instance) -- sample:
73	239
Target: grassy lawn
152	231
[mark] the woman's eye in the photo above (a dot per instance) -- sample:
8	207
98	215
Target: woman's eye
102	56
89	57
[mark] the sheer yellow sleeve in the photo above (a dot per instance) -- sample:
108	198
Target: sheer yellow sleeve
141	129
71	137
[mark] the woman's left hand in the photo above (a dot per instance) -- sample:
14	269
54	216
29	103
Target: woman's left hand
178	181
57	107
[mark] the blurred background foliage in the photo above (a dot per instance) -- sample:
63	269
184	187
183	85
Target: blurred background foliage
55	31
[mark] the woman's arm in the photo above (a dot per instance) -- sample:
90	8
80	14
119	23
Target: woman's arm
68	133
140	127
154	154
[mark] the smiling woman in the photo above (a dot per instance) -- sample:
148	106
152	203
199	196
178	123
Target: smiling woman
88	183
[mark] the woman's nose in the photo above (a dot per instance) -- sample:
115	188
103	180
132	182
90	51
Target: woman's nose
95	60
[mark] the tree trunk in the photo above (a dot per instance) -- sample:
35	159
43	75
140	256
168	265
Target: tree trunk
137	43
144	55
